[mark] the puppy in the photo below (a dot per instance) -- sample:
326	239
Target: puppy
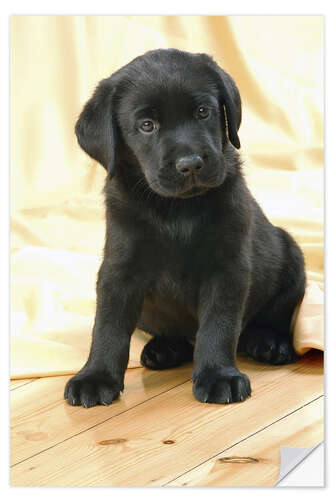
189	255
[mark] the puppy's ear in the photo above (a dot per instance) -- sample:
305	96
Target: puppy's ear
231	100
95	128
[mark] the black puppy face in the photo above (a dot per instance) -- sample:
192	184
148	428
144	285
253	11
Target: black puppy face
174	131
175	112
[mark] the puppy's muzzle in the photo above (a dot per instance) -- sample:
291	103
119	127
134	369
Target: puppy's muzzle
189	165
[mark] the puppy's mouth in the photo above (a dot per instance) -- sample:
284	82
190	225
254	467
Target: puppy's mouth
194	191
192	188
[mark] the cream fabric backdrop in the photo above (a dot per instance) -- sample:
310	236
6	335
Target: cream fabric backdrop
57	228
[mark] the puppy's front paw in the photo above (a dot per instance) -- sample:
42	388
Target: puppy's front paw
225	385
91	389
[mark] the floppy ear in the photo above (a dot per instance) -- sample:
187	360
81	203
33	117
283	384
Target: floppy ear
95	128
231	100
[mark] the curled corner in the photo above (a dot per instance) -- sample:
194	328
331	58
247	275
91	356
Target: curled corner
291	457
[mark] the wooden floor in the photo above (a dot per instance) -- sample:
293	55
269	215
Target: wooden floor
158	435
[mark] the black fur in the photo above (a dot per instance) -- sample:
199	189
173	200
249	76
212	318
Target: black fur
189	255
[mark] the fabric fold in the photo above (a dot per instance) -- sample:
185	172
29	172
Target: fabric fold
57	214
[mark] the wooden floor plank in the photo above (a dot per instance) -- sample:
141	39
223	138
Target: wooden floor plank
14	384
256	460
40	418
164	437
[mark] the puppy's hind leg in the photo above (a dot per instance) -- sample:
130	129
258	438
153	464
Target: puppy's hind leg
169	347
268	337
163	352
267	345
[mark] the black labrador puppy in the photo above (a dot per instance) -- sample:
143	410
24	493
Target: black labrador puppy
189	255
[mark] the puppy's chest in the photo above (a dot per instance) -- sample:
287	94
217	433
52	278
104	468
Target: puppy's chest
179	231
178	260
173	284
176	293
177	277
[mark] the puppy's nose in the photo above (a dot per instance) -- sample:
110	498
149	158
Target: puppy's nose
188	165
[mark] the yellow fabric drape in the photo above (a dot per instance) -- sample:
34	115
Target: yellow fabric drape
57	216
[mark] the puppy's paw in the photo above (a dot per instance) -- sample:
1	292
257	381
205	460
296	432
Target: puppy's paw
91	389
271	348
163	352
226	385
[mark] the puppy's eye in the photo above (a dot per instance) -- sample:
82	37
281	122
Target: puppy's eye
202	112
147	126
